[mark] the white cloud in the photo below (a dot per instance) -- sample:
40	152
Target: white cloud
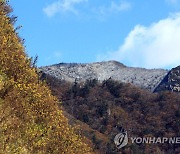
155	46
114	7
62	6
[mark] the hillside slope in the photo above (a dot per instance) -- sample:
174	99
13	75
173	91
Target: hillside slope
171	81
111	106
143	78
30	119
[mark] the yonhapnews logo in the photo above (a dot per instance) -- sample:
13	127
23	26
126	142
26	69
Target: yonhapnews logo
121	140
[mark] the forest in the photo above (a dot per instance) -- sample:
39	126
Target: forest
111	106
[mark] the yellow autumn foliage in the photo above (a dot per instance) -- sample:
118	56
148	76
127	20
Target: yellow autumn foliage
30	119
1	82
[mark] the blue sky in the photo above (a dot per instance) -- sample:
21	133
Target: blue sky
141	33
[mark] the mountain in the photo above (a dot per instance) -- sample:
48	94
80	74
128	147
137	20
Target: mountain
171	81
99	99
32	119
102	110
141	77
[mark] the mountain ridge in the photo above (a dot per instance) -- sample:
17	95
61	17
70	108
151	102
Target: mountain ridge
141	77
171	81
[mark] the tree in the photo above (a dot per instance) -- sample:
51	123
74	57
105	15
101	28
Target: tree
30	119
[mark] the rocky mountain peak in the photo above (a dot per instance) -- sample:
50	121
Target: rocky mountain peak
171	81
141	77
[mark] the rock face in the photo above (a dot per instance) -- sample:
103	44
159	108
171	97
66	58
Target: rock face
171	81
143	78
